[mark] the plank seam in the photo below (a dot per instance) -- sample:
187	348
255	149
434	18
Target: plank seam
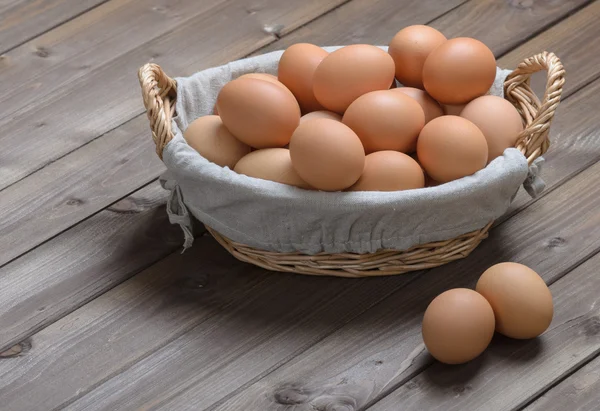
27	40
164	344
564	377
546	27
574	266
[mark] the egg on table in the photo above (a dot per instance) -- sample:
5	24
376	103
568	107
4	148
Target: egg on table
520	298
458	326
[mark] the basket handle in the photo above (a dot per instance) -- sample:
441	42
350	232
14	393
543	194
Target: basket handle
158	90
533	140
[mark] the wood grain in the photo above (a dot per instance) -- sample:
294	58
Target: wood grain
578	392
380	350
206	295
509	22
365	21
75	187
29	18
83	262
511	372
108	96
500	24
33	72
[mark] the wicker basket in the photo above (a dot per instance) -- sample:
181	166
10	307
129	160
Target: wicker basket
159	92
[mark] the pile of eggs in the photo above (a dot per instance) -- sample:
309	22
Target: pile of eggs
509	298
338	121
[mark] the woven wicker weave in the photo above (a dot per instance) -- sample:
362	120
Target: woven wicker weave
159	90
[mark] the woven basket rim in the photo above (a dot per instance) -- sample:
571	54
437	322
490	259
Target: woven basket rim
159	91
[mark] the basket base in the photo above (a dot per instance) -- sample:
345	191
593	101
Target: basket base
380	263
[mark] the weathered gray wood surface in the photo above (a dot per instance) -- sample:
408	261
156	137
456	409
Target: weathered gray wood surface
36	70
511	372
108	95
580	391
375	22
84	262
202	330
21	20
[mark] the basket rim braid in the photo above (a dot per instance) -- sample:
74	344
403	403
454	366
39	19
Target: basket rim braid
159	92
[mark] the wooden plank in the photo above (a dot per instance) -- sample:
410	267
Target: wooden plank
370	356
108	95
578	392
28	19
365	21
500	24
85	261
79	185
33	72
511	372
510	23
364	358
176	296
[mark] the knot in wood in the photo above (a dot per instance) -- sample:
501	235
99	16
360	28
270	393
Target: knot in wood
292	395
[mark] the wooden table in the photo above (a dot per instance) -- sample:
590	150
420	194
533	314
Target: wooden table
100	310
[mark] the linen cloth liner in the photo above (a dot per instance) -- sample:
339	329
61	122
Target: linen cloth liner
281	218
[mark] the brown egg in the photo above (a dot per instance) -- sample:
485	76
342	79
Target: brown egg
259	113
430	107
296	70
389	171
520	298
451	147
273	164
266	77
209	137
409	48
385	120
453	110
349	72
262	76
327	154
499	121
459	70
458	326
321	114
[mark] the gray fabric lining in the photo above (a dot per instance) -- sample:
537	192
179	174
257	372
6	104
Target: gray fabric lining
276	217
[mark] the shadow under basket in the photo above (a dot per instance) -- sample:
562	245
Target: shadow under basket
159	92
